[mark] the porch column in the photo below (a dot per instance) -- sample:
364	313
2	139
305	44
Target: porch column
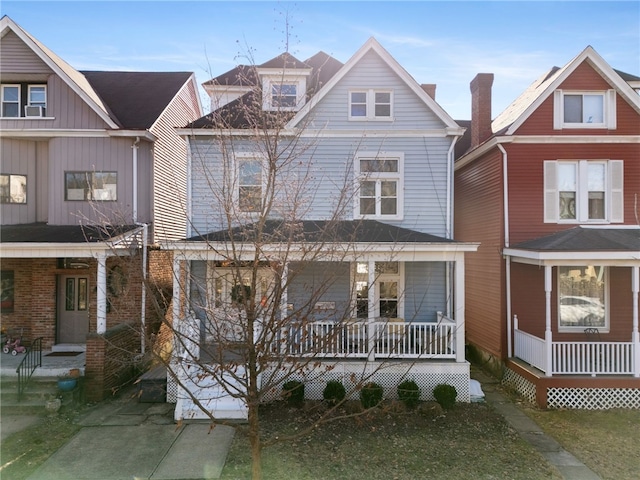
284	299
548	340
635	337
459	308
371	301
101	294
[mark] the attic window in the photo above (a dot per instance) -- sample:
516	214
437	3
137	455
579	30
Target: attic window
584	109
283	92
284	95
371	105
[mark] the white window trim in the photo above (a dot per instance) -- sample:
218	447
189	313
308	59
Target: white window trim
299	80
607	306
371	105
236	190
3	101
92	191
609	109
614	198
30	87
397	277
398	176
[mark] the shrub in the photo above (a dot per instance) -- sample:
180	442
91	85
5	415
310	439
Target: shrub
334	392
371	395
445	395
293	392
409	393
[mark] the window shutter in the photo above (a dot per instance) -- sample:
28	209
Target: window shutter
616	179
610	106
558	110
550	192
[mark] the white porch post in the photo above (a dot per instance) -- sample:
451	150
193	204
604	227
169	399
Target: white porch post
459	308
285	330
548	340
371	301
176	292
635	282
101	293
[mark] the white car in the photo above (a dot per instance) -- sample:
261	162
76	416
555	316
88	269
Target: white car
587	311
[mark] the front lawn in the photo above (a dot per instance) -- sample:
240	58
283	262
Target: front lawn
470	441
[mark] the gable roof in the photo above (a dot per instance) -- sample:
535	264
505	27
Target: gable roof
373	45
516	114
136	99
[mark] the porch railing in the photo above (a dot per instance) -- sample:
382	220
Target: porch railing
575	358
32	360
592	358
371	340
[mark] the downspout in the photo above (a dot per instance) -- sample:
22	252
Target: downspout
449	217
145	232
505	201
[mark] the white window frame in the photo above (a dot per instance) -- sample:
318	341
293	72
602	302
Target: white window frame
614	198
243	157
298	79
608	109
370	105
30	101
379	177
379	278
607	302
16	102
91	193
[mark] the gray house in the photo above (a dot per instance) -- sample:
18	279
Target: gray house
92	170
335	180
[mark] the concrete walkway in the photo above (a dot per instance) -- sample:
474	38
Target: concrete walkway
124	440
569	466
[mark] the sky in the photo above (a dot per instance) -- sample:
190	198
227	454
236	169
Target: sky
445	42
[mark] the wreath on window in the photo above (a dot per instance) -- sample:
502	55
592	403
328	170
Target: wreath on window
240	293
117	281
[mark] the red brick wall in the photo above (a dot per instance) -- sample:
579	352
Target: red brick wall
110	361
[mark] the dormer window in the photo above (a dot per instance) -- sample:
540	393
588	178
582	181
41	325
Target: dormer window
284	95
283	90
584	109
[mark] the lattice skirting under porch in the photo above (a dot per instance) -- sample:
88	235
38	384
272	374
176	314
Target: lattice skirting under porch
426	375
578	398
520	384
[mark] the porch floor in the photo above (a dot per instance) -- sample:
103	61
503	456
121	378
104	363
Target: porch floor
52	365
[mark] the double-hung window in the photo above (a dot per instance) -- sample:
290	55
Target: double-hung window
370	104
583	191
379	186
86	186
592	109
13	189
37	97
582	297
387	290
250	184
284	95
10	100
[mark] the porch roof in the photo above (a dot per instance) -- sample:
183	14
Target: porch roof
305	231
39	240
582	243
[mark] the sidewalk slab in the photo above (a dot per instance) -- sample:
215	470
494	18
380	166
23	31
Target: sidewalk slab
110	453
199	453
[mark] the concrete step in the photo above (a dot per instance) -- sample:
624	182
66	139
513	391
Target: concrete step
36	394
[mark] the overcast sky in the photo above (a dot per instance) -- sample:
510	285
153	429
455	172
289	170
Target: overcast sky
446	43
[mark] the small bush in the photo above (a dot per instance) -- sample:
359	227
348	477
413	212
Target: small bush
445	395
334	392
371	395
293	392
409	393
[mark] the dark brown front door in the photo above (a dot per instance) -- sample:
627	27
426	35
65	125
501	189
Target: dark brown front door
73	308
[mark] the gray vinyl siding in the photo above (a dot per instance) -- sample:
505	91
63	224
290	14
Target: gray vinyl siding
18	57
19	157
98	154
170	167
425	291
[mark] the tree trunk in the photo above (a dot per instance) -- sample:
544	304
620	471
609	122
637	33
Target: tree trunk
256	444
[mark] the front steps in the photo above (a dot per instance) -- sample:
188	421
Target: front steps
38	391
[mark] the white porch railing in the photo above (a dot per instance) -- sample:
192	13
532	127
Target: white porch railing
575	358
371	340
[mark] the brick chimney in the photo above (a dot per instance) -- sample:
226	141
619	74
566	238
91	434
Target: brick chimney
481	108
430	88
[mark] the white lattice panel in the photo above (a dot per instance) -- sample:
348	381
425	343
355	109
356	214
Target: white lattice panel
520	384
427	376
593	398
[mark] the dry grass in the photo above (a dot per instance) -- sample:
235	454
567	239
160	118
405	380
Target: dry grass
605	441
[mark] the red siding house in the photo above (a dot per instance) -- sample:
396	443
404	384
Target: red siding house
550	189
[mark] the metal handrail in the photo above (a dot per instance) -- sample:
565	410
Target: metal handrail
32	360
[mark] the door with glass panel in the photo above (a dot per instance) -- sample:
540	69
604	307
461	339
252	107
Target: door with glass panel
73	308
